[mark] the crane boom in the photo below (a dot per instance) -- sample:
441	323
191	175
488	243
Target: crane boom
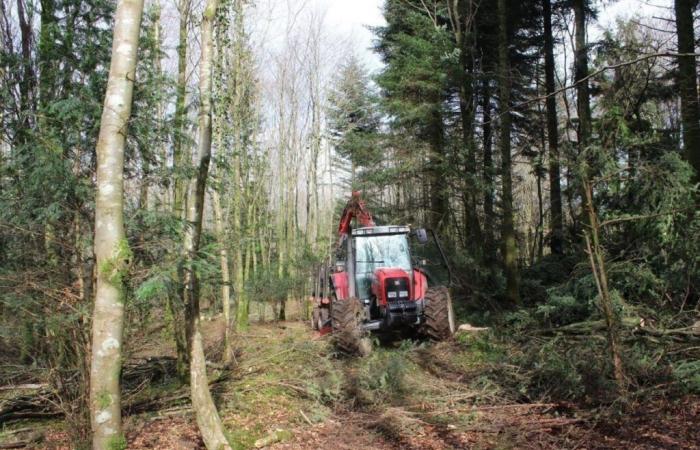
355	208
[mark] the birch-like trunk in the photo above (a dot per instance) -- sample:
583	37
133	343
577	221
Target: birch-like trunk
111	248
225	275
205	411
180	153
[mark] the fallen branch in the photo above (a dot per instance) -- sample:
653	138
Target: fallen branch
42	402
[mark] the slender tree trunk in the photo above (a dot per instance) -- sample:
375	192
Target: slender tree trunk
556	220
208	420
687	82
238	262
439	201
597	260
179	189
163	148
46	55
225	275
111	248
488	174
583	104
461	13
180	153
26	85
509	244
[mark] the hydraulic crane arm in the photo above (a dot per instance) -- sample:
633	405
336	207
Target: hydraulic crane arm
355	208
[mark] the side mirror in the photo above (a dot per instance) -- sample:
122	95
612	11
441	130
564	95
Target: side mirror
422	235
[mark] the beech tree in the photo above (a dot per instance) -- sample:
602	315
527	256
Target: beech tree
205	411
111	248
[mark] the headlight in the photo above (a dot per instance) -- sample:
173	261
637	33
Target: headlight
403	294
391	294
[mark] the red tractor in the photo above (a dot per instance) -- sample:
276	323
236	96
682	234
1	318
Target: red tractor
377	286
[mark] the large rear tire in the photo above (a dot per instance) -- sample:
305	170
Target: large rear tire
439	321
348	335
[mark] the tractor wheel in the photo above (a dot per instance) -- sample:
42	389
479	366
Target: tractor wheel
315	318
348	335
439	316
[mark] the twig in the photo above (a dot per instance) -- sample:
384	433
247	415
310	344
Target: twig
305	418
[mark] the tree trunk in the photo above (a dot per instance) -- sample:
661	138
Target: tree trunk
46	55
180	153
509	244
179	189
461	13
111	248
208	420
26	85
238	262
597	260
687	83
556	222
225	275
583	104
438	185
488	174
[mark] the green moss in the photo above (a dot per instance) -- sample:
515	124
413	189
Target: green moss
244	438
117	267
104	400
117	442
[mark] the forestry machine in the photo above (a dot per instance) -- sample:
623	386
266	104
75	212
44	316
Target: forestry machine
375	286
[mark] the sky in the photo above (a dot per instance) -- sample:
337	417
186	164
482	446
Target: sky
351	18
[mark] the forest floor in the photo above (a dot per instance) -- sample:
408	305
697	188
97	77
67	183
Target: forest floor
287	391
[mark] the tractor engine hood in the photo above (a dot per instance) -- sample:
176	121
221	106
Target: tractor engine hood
391	285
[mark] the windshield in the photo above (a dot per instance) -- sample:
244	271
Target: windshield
373	252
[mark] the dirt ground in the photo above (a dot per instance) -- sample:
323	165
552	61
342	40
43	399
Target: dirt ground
286	391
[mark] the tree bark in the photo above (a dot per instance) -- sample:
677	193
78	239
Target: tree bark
488	174
111	248
176	305
26	85
46	54
687	83
461	13
439	201
597	261
225	275
509	244
556	221
180	154
583	104
208	420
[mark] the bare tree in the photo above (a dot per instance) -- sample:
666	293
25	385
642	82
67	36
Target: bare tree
111	248
207	416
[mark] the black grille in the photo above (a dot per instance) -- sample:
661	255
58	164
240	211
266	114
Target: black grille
397	290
